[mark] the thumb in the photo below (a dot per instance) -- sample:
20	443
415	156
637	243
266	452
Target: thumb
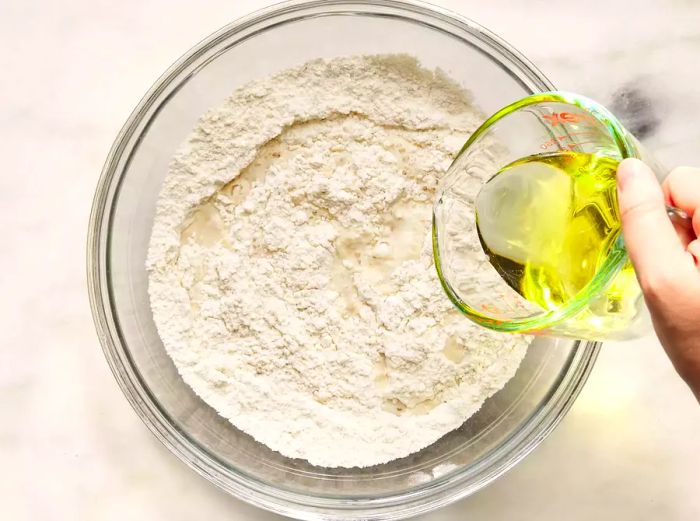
650	238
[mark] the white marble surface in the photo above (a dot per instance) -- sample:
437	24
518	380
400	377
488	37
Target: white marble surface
70	445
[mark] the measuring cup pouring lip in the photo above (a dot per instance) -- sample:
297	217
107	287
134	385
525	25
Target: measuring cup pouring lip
627	147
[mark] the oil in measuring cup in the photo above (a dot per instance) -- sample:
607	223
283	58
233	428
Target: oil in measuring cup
547	223
526	226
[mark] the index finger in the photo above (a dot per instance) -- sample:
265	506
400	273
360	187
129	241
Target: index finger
682	190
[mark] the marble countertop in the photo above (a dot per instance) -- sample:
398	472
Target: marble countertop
70	445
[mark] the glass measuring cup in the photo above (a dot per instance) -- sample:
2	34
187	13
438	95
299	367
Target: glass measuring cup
556	128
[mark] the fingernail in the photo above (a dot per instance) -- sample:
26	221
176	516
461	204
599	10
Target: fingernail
628	169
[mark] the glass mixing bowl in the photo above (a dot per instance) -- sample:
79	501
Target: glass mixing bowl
508	426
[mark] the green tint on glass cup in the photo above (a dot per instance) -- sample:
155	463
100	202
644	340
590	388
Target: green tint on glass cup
538	125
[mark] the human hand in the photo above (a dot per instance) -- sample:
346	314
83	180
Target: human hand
666	260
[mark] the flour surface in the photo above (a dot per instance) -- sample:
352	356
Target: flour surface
290	265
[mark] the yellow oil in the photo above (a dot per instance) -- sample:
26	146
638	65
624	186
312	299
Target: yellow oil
547	223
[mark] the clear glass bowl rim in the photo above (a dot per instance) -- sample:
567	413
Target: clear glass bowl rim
439	492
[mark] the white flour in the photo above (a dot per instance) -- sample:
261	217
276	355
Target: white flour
291	275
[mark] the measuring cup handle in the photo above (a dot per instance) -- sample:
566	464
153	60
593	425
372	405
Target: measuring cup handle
679	217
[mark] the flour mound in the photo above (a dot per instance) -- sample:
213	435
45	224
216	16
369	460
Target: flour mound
290	264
